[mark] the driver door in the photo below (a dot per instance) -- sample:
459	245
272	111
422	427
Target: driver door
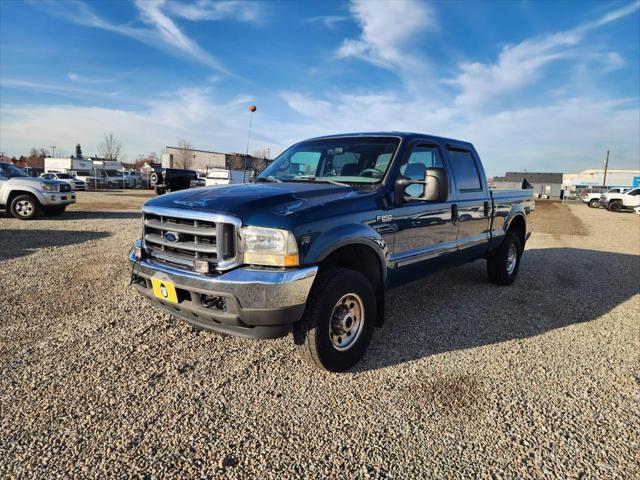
426	231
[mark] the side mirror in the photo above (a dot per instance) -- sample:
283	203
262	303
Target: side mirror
435	187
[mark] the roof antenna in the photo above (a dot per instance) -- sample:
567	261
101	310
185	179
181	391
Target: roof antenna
252	108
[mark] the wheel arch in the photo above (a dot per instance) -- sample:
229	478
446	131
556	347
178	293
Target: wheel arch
365	257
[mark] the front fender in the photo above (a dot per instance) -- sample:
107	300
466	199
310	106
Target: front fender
341	236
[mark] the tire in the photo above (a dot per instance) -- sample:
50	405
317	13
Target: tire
159	190
594	203
501	266
615	206
54	211
338	322
154	178
109	185
25	207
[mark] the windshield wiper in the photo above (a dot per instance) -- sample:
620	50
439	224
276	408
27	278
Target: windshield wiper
267	179
317	180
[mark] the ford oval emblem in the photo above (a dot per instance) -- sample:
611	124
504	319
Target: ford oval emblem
172	237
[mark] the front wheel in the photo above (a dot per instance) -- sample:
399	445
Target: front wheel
338	322
595	203
615	206
24	207
503	265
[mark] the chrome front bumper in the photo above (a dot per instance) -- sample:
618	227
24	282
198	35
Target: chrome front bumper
258	302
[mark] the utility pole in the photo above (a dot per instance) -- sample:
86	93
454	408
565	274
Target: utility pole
252	109
606	166
53	150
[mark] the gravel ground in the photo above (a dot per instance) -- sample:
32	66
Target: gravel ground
540	379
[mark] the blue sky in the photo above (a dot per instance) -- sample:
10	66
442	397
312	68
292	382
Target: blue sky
545	86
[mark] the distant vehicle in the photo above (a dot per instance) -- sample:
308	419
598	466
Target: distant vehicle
26	197
197	182
76	183
134	179
108	179
617	201
628	201
593	199
172	179
223	176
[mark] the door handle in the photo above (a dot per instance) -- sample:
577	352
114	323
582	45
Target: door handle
454	212
486	209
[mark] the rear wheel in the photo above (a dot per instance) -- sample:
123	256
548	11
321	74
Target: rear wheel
503	265
160	190
594	203
615	206
339	320
25	207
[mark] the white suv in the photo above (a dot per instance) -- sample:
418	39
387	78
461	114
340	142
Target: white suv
616	202
76	183
593	199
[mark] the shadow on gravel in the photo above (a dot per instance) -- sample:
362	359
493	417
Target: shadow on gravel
87	215
460	309
16	243
83	215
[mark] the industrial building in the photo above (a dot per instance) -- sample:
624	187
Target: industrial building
547	185
204	160
595	177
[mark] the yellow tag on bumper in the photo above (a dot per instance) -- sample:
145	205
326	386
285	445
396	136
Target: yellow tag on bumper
164	290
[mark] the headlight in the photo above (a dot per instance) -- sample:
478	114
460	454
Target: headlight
269	246
49	187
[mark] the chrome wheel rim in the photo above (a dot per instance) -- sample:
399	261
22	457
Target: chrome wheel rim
347	320
512	257
24	208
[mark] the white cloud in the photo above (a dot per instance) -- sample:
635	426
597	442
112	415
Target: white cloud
162	32
329	21
389	29
521	64
199	10
567	135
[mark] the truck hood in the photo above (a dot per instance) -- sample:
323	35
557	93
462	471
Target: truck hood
33	181
256	201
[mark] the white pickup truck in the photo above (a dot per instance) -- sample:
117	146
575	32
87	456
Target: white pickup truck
25	197
593	199
616	202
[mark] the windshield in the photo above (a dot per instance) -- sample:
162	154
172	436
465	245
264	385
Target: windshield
345	160
10	171
63	175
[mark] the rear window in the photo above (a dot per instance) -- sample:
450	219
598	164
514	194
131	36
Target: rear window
465	170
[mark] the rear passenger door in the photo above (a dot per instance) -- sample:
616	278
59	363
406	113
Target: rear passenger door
472	208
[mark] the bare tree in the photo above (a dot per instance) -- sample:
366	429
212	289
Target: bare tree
184	157
260	153
111	148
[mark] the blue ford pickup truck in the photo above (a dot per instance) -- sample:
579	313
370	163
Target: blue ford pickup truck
311	244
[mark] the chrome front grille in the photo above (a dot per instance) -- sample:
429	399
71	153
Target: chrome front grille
182	237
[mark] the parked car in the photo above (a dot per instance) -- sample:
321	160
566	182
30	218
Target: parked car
197	182
311	246
107	179
25	197
593	199
613	201
172	179
626	201
133	178
76	183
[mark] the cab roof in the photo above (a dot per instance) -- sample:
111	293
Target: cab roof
408	136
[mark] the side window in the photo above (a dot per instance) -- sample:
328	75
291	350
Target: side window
465	171
634	192
421	158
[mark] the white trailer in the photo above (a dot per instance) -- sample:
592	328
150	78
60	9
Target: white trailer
73	166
